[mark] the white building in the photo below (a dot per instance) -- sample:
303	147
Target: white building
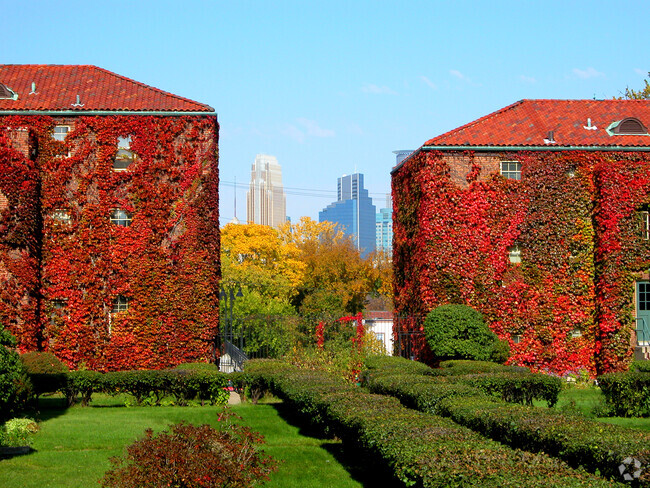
265	200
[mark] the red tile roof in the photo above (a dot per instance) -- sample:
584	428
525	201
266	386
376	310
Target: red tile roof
528	123
58	86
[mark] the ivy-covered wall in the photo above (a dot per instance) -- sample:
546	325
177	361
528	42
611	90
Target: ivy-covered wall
59	278
574	217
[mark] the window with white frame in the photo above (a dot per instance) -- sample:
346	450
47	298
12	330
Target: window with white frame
120	217
60	132
124	156
514	254
511	170
120	304
516	338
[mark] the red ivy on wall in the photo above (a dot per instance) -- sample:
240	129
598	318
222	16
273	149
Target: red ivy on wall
569	304
60	278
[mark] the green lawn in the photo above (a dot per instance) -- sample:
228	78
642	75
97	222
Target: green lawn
583	400
74	445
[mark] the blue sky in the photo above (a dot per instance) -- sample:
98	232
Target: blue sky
335	86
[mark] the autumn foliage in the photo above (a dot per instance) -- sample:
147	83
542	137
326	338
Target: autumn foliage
193	457
63	262
574	216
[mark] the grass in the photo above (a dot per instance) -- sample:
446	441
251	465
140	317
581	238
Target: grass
583	400
73	448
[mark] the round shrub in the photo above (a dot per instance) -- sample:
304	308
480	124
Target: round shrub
42	363
459	332
15	387
192	457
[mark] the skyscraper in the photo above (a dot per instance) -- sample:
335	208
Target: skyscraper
354	212
384	225
265	200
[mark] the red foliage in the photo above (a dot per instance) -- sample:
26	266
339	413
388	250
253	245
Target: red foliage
580	246
192	457
166	262
320	335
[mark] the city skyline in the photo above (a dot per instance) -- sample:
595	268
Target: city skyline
265	200
335	87
353	212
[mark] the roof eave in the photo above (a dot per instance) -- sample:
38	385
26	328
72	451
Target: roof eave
552	148
73	113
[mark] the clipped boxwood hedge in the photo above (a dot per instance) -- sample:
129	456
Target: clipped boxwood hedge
146	386
627	394
419	449
598	447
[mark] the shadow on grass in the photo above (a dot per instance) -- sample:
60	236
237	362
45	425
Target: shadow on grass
363	468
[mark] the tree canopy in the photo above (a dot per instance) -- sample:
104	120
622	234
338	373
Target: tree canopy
643	94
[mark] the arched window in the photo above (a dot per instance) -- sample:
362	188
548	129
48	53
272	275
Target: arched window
627	127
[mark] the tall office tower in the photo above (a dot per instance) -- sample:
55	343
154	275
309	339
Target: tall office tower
384	225
401	155
354	212
266	203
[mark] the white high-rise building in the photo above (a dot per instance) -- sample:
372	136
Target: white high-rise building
266	203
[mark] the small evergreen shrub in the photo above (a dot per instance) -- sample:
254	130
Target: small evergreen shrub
15	387
193	457
42	363
459	332
17	432
627	394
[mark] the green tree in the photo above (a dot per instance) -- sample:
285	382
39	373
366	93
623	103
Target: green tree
460	332
15	387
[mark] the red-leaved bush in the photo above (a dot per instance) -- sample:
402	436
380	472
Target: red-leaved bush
187	456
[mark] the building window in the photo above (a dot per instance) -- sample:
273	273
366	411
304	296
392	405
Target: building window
644	217
575	333
516	338
627	127
514	254
57	311
60	132
124	156
120	304
121	217
511	170
61	216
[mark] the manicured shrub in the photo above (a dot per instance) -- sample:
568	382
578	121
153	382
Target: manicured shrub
460	366
17	432
42	363
82	384
459	332
640	366
471	401
197	367
627	394
191	457
15	386
419	449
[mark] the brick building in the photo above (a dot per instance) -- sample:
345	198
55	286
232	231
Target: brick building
109	240
536	215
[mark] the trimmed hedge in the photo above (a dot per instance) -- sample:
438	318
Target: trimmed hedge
419	449
510	383
146	386
627	394
598	447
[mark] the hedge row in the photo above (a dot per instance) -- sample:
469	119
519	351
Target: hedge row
598	447
627	394
419	449
510	383
149	386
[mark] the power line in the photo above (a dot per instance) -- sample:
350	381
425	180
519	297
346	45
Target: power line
304	192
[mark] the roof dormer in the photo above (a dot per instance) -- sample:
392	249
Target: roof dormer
629	126
7	93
